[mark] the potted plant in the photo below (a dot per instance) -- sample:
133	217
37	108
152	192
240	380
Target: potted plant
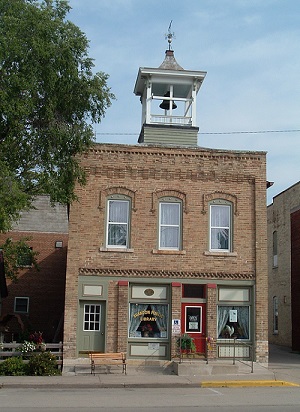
147	330
37	339
186	343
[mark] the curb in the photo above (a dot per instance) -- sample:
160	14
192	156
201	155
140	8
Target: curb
100	385
243	384
203	384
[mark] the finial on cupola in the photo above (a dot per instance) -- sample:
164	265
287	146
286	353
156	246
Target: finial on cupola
170	36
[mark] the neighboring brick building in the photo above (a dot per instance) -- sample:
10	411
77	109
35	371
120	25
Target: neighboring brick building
283	267
166	233
36	301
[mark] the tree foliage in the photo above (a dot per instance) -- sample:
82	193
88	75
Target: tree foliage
15	254
49	98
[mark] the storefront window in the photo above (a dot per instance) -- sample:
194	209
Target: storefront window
233	322
148	320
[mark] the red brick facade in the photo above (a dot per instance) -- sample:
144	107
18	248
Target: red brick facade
44	287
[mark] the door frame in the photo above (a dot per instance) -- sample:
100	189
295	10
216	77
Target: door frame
91	340
198	336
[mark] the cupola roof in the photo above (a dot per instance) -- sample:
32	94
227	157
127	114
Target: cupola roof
170	62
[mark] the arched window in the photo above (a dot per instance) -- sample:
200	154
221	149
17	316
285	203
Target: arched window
170	223
220	230
118	221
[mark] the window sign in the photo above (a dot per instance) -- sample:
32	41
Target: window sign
148	320
233	315
193	319
176	328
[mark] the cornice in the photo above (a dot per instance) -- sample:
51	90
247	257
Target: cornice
175	151
168	174
137	273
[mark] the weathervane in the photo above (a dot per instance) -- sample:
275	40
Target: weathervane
170	36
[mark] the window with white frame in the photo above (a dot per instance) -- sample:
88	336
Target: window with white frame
117	230
169	224
21	305
91	317
220	226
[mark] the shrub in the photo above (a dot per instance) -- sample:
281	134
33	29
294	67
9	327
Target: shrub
186	343
13	366
42	364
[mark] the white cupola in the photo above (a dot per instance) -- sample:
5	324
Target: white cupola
168	95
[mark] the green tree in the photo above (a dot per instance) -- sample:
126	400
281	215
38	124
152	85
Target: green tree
49	99
17	254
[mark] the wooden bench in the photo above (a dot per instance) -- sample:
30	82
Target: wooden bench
110	358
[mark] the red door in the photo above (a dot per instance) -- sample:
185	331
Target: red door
193	323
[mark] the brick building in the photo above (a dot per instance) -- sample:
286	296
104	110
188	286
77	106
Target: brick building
36	301
167	236
283	266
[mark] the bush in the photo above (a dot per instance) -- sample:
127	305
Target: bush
186	343
42	364
13	366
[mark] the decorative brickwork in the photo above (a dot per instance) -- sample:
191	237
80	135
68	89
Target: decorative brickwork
164	274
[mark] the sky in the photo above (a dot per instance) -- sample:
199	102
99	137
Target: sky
250	50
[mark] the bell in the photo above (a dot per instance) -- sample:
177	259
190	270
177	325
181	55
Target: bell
165	104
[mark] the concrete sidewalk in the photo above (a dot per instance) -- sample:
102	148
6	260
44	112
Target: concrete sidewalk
283	370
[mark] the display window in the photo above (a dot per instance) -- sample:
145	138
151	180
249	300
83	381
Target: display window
148	320
233	322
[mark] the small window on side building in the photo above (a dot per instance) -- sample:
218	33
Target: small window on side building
275	315
21	305
25	257
275	247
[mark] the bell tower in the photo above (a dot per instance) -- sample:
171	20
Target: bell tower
168	95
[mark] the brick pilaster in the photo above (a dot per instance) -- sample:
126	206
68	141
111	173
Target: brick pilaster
122	320
211	320
176	313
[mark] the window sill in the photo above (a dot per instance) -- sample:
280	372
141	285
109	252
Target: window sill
221	254
168	252
118	250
